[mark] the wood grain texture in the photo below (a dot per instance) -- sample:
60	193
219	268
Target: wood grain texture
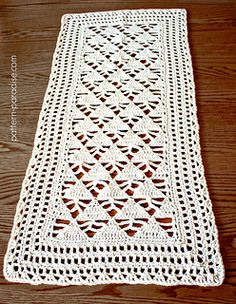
29	29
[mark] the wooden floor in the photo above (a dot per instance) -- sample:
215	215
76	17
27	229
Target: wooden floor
29	30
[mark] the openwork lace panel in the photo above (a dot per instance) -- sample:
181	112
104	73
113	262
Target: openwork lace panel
115	188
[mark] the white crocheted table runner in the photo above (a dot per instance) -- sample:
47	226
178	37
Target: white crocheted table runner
115	189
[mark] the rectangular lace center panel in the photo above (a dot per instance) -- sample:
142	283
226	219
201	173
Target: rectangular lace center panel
115	188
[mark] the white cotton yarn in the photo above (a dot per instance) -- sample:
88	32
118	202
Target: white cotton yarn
115	189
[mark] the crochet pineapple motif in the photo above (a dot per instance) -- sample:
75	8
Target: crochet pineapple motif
118	108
